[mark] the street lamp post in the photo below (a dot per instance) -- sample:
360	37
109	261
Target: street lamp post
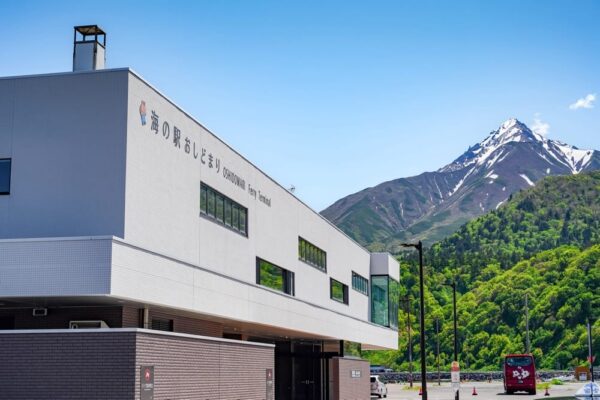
455	329
410	360
419	247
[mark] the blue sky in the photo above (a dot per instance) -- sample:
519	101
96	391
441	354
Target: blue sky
336	96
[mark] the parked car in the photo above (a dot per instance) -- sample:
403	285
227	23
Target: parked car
377	369
378	388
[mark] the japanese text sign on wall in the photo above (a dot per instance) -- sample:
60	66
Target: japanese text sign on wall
146	382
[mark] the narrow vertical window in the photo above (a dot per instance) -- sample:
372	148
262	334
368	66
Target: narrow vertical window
5	165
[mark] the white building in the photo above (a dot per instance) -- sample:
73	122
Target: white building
118	206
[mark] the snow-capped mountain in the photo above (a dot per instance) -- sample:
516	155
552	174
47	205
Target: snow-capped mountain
432	205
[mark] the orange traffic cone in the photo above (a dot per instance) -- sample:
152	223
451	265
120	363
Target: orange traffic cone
474	391
546	393
420	391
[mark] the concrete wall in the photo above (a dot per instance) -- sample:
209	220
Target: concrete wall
163	207
65	134
346	386
106	365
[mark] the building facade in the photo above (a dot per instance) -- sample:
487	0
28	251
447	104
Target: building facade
120	213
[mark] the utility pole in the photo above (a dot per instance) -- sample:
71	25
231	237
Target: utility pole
528	343
590	351
437	335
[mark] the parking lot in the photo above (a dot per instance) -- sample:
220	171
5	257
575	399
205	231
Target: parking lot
485	391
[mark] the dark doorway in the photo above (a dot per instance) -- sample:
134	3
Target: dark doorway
7	323
308	371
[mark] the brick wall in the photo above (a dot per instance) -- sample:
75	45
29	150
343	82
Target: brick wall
67	366
343	386
94	365
202	369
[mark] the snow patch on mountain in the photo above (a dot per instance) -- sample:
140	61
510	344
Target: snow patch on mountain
526	178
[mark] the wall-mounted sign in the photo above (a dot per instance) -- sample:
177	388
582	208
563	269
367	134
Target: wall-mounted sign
146	382
269	378
355	373
180	141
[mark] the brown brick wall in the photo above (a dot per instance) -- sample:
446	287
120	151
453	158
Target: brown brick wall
131	317
190	326
106	365
343	386
203	369
67	366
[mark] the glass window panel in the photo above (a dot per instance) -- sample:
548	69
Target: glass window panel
379	300
227	212
338	291
243	220
203	199
219	213
235	217
5	176
211	203
394	299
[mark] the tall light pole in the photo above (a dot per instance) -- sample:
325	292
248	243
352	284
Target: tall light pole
410	360
453	286
419	247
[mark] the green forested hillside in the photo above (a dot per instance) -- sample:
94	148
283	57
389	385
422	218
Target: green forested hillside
557	211
543	242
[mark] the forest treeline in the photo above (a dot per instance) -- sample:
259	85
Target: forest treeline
543	243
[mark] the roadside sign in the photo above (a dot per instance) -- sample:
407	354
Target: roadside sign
455	375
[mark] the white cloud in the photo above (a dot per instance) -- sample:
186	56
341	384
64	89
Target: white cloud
539	127
586	102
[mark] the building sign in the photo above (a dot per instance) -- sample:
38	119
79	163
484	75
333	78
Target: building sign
187	145
355	373
146	382
269	376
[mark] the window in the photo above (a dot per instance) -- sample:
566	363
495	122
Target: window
360	284
160	324
274	277
222	210
338	291
385	295
5	176
311	254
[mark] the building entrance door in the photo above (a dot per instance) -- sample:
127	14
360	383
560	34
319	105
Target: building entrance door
308	371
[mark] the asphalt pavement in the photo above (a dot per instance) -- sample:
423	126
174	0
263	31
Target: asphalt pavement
484	390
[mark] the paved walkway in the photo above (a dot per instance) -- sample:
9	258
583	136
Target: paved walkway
485	391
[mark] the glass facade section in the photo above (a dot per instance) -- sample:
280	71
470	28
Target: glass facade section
338	291
360	283
311	254
5	165
221	209
385	296
274	277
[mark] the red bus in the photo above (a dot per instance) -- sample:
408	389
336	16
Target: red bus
519	373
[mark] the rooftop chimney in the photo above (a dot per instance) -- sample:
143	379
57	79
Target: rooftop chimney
89	48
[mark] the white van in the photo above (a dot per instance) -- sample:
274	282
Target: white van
378	388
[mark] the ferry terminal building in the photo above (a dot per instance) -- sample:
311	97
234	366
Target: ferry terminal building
141	257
